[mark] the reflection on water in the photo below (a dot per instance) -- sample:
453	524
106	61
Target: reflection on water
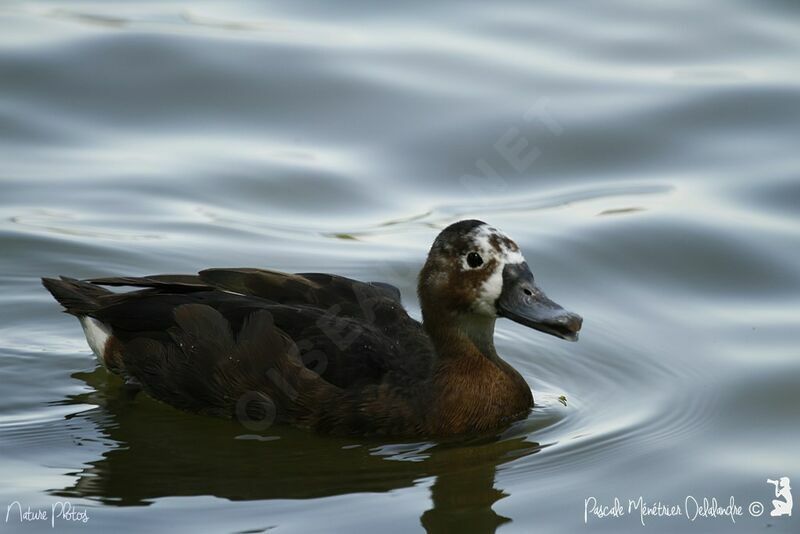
206	458
644	156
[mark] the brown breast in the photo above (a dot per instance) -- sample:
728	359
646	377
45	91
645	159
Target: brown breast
476	393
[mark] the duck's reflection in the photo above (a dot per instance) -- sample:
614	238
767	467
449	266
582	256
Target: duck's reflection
159	452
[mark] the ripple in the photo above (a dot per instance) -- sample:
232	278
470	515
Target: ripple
439	217
155	137
64	223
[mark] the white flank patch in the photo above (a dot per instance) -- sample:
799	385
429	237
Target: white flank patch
491	288
97	334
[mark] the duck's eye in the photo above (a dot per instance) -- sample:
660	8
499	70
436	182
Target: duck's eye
474	260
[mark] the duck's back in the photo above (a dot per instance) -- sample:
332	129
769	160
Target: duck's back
257	344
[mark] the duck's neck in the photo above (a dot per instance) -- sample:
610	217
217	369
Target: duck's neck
466	336
473	389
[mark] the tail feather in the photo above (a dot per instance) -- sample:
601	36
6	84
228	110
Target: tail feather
79	298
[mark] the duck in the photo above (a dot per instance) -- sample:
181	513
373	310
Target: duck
325	352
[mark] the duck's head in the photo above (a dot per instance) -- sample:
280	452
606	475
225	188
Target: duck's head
475	273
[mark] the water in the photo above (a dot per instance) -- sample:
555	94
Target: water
644	157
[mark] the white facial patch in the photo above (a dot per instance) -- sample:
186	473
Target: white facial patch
492	287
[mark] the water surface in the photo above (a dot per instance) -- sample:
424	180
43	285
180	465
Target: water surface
644	157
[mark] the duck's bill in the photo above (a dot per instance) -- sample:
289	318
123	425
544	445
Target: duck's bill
523	302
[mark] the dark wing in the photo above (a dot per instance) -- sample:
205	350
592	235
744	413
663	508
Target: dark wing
202	366
351	297
349	332
168	282
313	289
